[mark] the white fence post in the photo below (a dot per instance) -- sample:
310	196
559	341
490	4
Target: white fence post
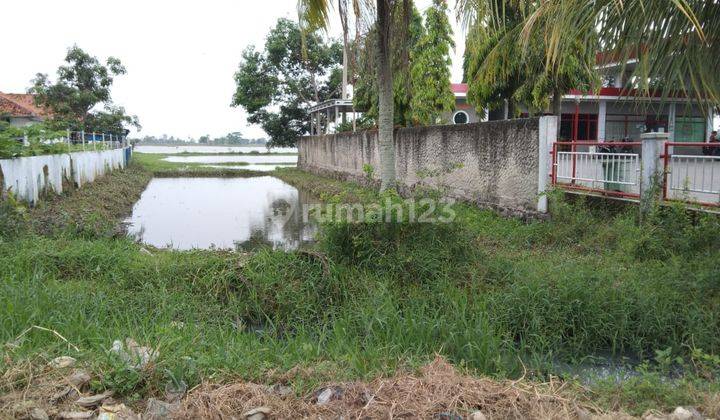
547	135
651	176
82	134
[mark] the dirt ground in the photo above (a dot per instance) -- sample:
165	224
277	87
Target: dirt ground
437	391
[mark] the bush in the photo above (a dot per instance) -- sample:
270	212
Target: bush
409	251
13	217
11	140
362	123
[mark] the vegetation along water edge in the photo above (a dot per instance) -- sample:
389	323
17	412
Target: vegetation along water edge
494	297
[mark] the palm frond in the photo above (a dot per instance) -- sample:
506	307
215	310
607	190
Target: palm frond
314	14
673	41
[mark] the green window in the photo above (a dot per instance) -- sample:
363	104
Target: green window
690	129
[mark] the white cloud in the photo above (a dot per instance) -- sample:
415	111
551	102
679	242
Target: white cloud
180	55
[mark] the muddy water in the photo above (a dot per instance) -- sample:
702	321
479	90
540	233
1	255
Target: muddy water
227	213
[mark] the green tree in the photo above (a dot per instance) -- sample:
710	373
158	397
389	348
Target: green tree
491	86
316	14
82	84
403	47
430	71
112	119
277	85
675	43
503	72
543	79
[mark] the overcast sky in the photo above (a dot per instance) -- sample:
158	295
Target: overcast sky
180	55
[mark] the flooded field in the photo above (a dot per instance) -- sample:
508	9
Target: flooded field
212	149
226	213
234	158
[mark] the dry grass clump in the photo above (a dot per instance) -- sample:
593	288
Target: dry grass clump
438	389
33	384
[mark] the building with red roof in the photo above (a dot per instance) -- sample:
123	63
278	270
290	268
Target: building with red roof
19	109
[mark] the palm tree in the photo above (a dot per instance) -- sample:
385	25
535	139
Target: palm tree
674	42
315	14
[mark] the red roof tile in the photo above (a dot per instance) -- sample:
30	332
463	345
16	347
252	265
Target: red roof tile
20	105
459	87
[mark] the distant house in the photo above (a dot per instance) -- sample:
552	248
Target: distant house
463	113
334	110
19	109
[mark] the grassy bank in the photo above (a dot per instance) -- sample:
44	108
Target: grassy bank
493	296
156	164
250	153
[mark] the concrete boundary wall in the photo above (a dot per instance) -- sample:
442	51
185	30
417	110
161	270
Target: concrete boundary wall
29	177
499	164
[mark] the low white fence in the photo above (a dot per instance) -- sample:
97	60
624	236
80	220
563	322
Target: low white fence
29	177
612	168
617	172
693	178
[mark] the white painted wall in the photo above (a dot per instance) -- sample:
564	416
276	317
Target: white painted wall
23	121
28	177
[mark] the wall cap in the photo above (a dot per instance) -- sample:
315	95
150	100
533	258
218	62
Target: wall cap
655	136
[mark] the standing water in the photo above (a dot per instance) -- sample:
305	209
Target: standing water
226	213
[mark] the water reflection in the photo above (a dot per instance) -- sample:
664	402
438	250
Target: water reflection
186	213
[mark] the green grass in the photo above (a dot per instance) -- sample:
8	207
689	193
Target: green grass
94	210
493	295
250	153
156	164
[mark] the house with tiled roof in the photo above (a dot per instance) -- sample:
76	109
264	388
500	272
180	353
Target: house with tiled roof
19	109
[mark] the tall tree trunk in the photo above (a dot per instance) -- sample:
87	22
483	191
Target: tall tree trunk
342	9
386	104
557	102
510	109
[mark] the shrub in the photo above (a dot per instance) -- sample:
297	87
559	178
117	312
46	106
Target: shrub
13	217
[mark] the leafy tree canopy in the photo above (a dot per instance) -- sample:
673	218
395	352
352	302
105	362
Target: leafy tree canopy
277	85
430	71
403	46
498	68
82	84
674	43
